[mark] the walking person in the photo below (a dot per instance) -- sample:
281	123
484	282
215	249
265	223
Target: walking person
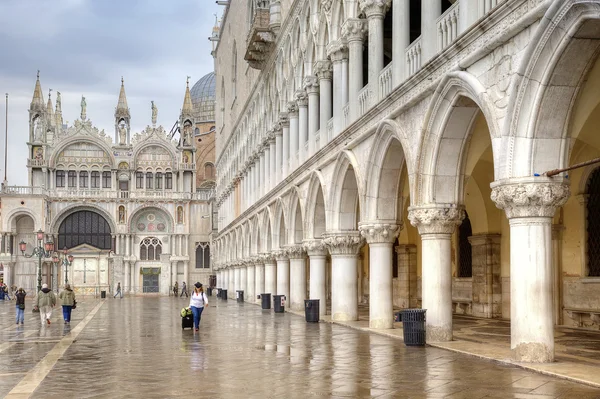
20	298
176	288
198	301
183	290
67	299
6	293
118	291
45	301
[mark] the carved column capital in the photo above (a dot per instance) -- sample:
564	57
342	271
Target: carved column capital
284	120
311	84
374	8
343	243
530	196
296	252
354	30
277	129
267	258
337	50
280	254
301	98
292	109
315	247
379	232
436	219
323	70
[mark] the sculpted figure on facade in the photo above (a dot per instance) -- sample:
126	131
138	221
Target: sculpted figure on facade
154	113
83	108
122	134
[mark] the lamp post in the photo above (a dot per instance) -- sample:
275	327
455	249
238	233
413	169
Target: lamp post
40	252
66	261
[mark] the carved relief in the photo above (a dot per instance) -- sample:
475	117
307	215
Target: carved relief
315	247
344	243
379	232
530	198
436	219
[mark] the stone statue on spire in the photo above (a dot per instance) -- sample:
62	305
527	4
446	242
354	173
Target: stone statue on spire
154	113
83	108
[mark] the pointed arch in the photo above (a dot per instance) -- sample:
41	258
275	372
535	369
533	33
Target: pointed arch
315	221
346	194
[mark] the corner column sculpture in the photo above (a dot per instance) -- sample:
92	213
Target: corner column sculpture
297	257
344	248
436	224
381	237
317	254
530	204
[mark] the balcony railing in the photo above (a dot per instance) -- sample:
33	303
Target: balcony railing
385	81
413	57
363	100
486	6
203	194
346	111
37	163
23	190
187	166
447	26
329	130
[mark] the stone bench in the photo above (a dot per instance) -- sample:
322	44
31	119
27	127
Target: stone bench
578	316
461	306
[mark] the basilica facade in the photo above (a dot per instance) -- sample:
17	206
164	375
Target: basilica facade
130	208
398	153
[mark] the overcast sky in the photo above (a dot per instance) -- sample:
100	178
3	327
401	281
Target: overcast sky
83	47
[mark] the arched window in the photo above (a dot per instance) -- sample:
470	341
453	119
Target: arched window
203	256
168	180
149	180
139	180
60	178
593	224
106	180
159	179
465	259
83	179
209	171
72	180
95	180
84	227
150	249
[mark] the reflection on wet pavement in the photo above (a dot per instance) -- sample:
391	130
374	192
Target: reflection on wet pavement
135	348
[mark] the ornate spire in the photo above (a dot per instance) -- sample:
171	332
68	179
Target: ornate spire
58	112
122	109
50	110
187	109
37	102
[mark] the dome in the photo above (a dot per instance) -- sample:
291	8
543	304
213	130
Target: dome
203	98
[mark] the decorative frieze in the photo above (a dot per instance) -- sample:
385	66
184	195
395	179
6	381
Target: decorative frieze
343	243
531	196
436	219
375	232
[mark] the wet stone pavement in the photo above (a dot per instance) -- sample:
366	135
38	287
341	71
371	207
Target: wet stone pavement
134	347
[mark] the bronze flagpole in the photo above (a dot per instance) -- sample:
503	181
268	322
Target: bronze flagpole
6	145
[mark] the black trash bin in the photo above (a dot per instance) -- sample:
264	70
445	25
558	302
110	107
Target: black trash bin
209	291
279	303
224	295
265	301
413	323
219	292
239	295
311	310
103	294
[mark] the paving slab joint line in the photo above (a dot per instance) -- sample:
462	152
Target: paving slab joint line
38	373
524	366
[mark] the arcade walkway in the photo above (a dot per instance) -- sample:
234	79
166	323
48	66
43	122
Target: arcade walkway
135	348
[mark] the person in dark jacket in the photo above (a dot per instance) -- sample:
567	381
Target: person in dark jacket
20	297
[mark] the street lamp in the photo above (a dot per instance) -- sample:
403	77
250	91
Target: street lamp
40	252
66	261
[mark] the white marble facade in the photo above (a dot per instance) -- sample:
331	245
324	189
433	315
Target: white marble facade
145	218
328	154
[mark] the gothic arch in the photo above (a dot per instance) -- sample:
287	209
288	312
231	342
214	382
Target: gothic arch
63	214
315	220
455	105
346	194
168	217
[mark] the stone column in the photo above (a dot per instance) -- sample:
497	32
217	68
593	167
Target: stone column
283	274
344	247
354	31
338	53
134	281
244	280
468	13
297	277
487	287
278	152
430	11
285	144
375	12
186	274
237	282
324	74
380	236
311	85
317	253
302	101
401	34
259	277
272	161
261	173
407	275
267	180
270	274
557	272
530	204
250	294
292	110
436	224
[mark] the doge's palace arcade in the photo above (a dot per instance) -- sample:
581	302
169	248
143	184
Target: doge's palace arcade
393	153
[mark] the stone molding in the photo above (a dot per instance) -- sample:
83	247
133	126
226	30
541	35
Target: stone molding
354	30
436	219
377	232
337	50
343	243
296	252
315	247
530	196
301	98
374	8
323	70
